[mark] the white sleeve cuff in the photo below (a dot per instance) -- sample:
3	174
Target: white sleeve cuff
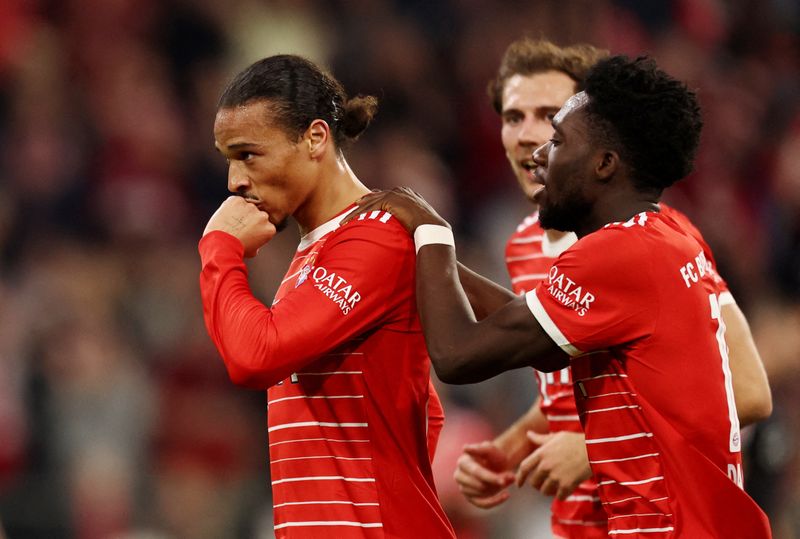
548	325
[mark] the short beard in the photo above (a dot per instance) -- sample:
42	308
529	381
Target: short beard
565	218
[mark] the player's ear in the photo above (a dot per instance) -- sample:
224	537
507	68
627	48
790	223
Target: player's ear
317	138
607	165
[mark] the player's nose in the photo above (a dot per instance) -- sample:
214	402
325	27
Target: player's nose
238	180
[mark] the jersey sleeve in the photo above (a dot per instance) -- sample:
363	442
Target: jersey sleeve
360	277
597	294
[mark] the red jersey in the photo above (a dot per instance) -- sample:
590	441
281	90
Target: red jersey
342	353
636	306
529	255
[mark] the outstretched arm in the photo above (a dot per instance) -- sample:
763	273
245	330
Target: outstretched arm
462	349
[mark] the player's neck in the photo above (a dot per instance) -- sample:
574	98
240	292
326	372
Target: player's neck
337	188
616	211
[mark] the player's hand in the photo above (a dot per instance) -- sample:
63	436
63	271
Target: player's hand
243	220
482	475
405	204
558	465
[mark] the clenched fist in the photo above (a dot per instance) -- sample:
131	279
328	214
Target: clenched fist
244	221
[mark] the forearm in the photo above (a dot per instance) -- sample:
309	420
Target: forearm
241	327
484	296
463	350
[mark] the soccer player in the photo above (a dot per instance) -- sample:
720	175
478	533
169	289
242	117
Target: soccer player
534	80
340	351
632	307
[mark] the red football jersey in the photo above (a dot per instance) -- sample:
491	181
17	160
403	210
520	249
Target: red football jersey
343	355
529	255
636	306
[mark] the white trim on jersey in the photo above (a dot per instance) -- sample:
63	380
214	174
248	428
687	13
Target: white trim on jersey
315	397
626	483
332	440
329	502
548	325
323	229
325	478
554	248
329	523
300	424
527	239
532	256
321	457
581	498
641	530
624	438
601	410
641	515
327	373
528	277
623	459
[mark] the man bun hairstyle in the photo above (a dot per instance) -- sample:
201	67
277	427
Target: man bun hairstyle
528	56
299	92
652	119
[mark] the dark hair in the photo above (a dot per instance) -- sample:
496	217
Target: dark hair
652	119
300	92
527	56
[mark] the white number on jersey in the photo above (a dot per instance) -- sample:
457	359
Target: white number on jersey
735	440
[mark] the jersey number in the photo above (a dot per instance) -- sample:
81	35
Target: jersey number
735	441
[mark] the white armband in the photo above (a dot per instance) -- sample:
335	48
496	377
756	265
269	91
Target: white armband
432	234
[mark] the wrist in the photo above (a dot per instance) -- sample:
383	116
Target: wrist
431	234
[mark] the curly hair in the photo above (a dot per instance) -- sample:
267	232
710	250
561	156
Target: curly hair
652	119
528	56
300	92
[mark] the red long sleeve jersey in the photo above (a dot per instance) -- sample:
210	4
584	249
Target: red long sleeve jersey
342	354
529	256
637	306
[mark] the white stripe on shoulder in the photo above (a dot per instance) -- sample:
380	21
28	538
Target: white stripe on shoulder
726	298
548	325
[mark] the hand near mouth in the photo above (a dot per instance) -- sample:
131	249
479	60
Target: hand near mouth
241	218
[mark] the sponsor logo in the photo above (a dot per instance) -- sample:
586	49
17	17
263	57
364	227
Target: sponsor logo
567	292
336	288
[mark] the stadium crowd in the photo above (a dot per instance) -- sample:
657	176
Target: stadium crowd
117	418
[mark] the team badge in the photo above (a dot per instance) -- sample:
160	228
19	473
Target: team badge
304	272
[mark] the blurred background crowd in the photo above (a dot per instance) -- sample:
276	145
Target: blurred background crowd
116	416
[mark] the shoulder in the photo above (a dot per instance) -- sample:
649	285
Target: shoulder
616	240
377	227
